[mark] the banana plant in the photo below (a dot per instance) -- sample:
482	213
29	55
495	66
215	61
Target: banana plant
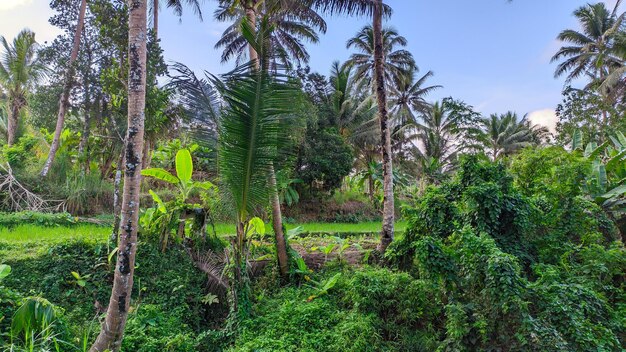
606	183
166	217
184	172
287	193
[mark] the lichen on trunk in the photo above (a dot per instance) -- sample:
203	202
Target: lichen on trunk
112	331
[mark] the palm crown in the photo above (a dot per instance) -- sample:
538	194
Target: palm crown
396	61
590	51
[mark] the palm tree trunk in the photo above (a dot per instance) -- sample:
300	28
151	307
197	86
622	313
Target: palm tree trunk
277	223
112	331
387	232
155	18
12	122
65	95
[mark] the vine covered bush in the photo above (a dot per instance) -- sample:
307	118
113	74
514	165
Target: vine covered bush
520	260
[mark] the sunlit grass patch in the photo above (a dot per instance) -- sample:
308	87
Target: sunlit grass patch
35	233
320	227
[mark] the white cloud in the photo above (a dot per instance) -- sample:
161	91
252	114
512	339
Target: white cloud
10	4
546	117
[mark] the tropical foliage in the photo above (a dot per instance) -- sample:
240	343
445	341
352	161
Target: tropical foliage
276	208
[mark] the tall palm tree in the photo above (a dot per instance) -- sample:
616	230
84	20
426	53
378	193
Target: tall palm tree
20	70
112	331
397	62
590	52
177	6
379	70
293	22
67	87
503	135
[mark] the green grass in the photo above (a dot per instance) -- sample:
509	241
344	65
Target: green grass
363	227
31	233
321	227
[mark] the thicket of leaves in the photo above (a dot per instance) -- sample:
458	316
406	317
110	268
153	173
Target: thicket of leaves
521	261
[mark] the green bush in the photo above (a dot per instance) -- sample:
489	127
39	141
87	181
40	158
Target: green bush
368	310
167	309
524	271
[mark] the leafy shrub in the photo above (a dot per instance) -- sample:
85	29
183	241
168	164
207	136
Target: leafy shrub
168	291
150	328
19	154
369	310
517	271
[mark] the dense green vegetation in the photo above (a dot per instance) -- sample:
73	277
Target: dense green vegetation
144	207
484	263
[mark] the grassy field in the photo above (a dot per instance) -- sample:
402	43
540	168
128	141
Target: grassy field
320	227
30	233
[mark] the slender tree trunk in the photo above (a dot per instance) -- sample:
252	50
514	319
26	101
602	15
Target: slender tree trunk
12	122
155	18
112	331
147	150
387	232
277	223
84	137
65	95
370	188
117	210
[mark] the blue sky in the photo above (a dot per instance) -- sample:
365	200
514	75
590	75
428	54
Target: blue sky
492	54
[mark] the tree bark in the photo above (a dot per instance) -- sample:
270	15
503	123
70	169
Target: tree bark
65	95
277	223
147	150
387	232
84	137
12	122
112	332
155	18
117	211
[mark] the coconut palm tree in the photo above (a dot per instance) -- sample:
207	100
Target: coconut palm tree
591	51
249	136
397	62
20	70
112	331
503	135
67	87
293	24
382	50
